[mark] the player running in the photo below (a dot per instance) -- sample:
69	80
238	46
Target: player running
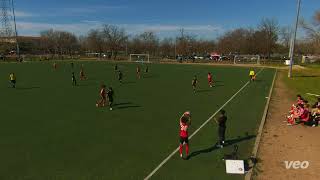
82	75
194	84
110	94
13	80
210	82
185	122
252	75
74	80
138	72
102	94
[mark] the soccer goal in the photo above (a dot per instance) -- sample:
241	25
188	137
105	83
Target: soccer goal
142	58
247	59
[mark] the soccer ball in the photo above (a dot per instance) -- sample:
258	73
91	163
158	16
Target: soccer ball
97	105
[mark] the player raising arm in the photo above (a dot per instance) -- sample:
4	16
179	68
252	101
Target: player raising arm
185	122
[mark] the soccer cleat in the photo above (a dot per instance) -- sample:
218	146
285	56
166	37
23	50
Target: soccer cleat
181	156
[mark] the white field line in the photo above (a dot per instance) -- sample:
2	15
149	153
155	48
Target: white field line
310	94
196	131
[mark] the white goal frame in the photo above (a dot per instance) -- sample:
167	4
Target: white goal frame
142	61
248	59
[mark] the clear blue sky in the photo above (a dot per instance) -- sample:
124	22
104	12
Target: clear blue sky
204	18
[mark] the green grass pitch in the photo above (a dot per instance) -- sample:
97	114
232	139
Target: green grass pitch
52	130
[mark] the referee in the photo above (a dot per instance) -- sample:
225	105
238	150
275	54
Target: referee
221	121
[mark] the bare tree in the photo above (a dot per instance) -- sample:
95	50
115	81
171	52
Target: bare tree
95	41
313	31
150	42
285	36
115	39
269	29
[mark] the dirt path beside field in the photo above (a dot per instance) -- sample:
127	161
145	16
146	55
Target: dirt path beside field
287	143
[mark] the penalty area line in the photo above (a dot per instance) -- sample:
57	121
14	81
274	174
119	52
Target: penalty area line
196	131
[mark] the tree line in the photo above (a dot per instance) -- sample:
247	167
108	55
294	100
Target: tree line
113	42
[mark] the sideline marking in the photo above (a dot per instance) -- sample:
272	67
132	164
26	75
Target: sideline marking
317	95
196	131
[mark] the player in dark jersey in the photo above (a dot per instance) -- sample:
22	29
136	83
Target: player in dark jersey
221	121
185	122
74	80
110	94
120	76
116	68
194	84
103	99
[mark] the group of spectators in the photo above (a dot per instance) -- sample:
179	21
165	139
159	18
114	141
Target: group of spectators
303	113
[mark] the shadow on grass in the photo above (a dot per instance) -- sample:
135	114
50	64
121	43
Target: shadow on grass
27	88
209	90
125	105
306	76
227	143
129	82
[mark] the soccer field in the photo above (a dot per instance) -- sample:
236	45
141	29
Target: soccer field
52	130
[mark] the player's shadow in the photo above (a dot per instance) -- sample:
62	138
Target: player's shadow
209	90
27	88
227	143
129	82
125	105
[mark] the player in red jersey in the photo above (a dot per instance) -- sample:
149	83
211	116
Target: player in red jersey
210	82
185	122
138	72
103	99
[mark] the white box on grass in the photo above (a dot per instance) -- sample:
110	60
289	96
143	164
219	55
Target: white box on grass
235	166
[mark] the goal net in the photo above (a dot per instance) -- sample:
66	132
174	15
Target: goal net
142	58
247	59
